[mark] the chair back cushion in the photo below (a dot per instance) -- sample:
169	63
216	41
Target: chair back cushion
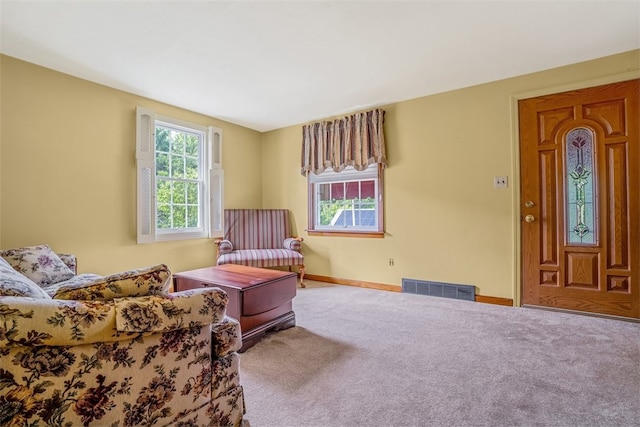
256	228
39	263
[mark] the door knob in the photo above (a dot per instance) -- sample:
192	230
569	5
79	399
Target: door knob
529	218
529	204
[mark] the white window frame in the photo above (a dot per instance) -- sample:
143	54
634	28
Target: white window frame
211	180
349	174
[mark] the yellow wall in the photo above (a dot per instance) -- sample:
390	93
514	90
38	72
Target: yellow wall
1	104
444	220
67	178
68	171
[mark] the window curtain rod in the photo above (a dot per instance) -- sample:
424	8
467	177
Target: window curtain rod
356	140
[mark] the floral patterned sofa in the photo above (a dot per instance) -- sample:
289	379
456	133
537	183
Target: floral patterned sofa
112	351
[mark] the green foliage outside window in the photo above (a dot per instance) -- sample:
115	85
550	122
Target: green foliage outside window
177	179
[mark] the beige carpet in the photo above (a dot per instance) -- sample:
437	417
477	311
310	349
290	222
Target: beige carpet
361	357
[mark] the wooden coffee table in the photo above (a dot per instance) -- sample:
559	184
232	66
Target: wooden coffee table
260	299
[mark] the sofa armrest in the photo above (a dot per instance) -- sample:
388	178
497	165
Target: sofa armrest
153	280
35	322
190	308
223	246
226	337
293	243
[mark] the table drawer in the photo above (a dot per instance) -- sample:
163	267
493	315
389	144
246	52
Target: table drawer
262	298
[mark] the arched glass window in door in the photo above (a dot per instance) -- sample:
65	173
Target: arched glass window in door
580	189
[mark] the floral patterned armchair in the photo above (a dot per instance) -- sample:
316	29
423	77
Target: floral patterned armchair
115	357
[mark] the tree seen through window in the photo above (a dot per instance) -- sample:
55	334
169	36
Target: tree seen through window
177	178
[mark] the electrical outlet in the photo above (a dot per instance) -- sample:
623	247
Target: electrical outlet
499	182
391	263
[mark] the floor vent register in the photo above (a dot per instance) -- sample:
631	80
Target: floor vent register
439	289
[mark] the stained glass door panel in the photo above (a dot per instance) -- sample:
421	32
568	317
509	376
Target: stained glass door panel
580	194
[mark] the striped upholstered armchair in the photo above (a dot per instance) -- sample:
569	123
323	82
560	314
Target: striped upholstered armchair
260	238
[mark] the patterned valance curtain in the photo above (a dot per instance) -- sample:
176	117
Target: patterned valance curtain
356	140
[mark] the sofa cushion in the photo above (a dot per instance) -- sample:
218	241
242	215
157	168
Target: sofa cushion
154	280
262	257
38	263
15	284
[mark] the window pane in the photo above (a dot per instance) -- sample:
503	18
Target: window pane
368	189
192	193
337	190
324	191
163	191
346	201
368	198
177	143
163	139
326	208
192	168
177	166
162	164
342	216
352	190
179	216
353	211
323	195
191	148
192	218
164	216
347	214
179	193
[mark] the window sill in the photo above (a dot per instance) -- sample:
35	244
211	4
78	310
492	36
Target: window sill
365	234
165	237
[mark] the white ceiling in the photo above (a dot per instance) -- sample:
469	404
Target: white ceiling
267	64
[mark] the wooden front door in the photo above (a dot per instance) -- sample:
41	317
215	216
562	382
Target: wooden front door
580	197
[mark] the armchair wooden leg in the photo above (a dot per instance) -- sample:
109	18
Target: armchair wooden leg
301	267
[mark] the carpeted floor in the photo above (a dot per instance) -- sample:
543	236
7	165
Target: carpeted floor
361	357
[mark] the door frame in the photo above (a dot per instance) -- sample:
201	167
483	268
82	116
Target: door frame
515	159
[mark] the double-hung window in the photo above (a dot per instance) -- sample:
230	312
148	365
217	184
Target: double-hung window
346	202
350	201
179	179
